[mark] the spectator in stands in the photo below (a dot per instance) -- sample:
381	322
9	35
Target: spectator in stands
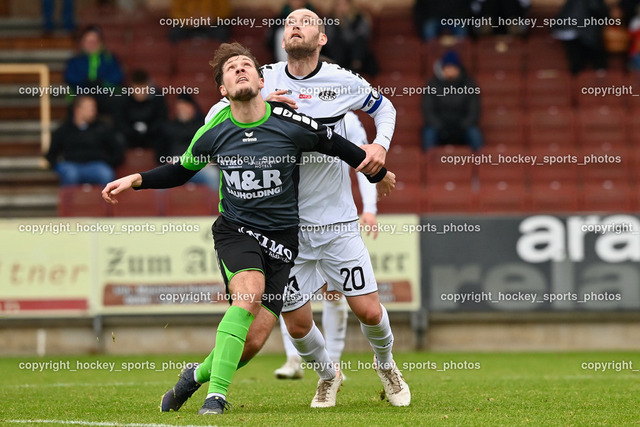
452	113
94	68
429	14
68	19
348	41
276	32
142	113
177	135
505	9
195	10
583	43
634	50
85	150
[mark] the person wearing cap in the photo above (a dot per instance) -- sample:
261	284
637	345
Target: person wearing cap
451	106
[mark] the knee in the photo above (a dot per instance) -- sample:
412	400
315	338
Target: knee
298	329
370	315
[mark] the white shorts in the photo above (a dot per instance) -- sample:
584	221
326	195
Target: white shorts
335	255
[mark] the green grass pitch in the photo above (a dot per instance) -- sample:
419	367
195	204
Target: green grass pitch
492	389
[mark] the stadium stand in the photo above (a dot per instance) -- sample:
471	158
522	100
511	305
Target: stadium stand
531	104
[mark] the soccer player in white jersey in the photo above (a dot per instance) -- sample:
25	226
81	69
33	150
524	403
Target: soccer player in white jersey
335	309
329	236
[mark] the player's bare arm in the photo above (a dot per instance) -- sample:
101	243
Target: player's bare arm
119	185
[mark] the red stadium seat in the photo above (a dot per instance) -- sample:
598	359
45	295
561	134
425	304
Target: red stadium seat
554	197
404	161
395	53
404	90
607	196
193	56
392	21
499	167
604	163
140	203
552	127
448	197
545	53
151	54
554	165
548	88
505	54
137	160
589	80
405	198
502	197
191	200
83	200
500	89
602	124
503	126
438	165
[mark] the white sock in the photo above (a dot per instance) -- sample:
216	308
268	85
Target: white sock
312	349
222	396
381	339
334	325
289	348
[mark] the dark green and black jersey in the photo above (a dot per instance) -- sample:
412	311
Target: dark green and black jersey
259	163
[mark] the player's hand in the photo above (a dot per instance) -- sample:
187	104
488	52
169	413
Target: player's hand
376	156
370	222
387	184
119	185
277	96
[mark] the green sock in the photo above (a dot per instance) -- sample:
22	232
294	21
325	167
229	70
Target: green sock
230	339
203	371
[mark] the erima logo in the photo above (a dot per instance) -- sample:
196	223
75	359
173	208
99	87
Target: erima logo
328	95
329	133
287	93
249	137
297	117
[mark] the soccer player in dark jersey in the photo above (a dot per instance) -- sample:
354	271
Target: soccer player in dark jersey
257	146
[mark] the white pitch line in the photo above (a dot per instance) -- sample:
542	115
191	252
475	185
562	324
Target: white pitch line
96	423
119	384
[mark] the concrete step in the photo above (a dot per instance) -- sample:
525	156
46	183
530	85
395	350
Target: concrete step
27	178
36	56
22	127
21	162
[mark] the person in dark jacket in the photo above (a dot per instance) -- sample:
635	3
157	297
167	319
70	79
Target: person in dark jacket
177	135
142	113
94	70
348	39
582	38
451	107
85	150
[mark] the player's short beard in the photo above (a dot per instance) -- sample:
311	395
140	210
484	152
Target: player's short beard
244	94
302	50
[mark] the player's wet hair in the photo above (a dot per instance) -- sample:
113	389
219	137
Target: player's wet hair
224	53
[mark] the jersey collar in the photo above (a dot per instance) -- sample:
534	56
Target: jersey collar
308	76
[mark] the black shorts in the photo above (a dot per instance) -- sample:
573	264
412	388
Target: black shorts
240	248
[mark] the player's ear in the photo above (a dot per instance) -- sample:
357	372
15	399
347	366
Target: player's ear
282	44
322	39
261	83
223	90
